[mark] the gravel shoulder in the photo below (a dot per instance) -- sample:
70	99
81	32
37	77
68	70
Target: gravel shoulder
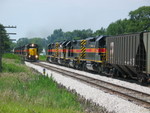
110	102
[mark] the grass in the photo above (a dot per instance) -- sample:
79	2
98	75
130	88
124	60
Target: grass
23	90
20	93
42	57
11	56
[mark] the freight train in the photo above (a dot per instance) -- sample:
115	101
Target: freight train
125	55
29	52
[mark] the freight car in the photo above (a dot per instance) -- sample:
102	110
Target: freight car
129	55
29	52
123	55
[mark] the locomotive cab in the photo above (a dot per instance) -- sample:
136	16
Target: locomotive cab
31	52
71	53
62	53
95	53
51	52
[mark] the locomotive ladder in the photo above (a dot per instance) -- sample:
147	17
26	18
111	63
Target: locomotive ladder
57	45
83	49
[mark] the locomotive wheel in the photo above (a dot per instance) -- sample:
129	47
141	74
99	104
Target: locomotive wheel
112	74
76	66
142	79
99	69
118	74
84	67
125	76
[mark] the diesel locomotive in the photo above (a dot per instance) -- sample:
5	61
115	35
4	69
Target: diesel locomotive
29	52
125	55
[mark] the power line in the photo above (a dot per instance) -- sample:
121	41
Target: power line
10	26
1	50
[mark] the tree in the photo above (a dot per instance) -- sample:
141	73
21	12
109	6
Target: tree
102	31
4	43
22	42
40	41
56	36
68	35
140	19
13	45
118	27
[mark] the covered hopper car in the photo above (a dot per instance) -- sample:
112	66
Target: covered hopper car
129	55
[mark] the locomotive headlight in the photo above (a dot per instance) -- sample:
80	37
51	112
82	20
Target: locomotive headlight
36	56
32	45
29	56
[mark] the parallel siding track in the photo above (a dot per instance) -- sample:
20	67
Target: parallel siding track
140	98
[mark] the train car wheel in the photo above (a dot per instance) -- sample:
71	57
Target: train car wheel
124	76
84	67
118	74
99	69
142	79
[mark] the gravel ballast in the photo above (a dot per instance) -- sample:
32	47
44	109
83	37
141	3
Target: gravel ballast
110	102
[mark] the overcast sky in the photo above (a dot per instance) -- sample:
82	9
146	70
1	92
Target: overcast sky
38	18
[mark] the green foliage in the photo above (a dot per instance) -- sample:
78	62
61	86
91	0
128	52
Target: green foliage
18	107
12	45
42	57
118	27
4	40
4	43
35	93
100	32
40	41
12	67
58	35
27	91
139	21
11	56
22	42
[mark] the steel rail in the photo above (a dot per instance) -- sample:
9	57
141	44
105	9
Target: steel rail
135	96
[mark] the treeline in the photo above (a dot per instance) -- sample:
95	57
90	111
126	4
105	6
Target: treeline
37	40
139	20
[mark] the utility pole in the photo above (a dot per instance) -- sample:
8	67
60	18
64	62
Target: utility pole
1	42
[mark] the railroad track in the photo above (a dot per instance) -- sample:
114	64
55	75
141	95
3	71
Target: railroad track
137	97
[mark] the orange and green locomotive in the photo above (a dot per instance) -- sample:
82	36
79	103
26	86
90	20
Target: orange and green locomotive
126	55
87	54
